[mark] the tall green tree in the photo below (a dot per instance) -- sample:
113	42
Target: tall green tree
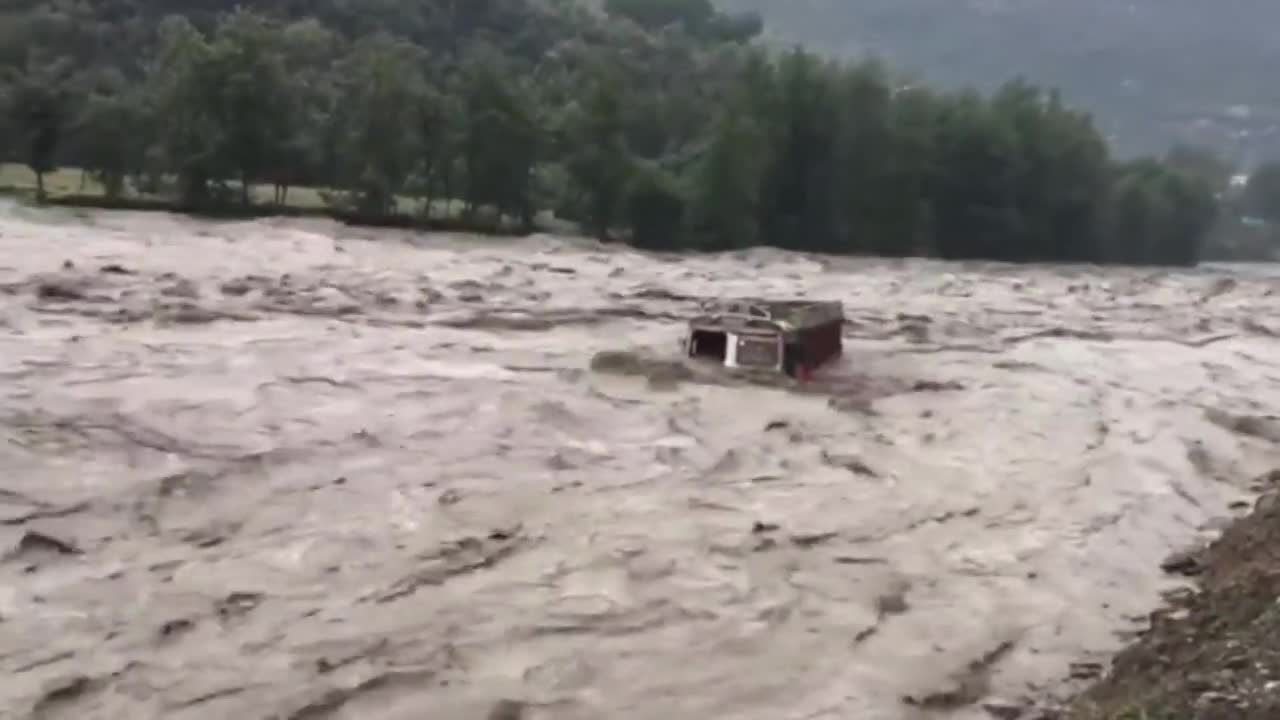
726	186
109	140
906	192
655	208
252	97
1194	214
599	162
440	132
382	97
1060	175
501	144
1156	215
184	82
39	112
974	204
869	216
799	192
310	149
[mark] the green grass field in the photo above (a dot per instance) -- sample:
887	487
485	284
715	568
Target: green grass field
68	182
71	181
60	182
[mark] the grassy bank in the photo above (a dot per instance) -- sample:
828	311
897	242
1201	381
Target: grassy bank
72	188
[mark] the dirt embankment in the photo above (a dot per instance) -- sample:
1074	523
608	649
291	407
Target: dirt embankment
1213	653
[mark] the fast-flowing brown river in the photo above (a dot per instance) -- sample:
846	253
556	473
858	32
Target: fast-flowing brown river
289	469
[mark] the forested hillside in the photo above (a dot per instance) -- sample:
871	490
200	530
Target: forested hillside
661	122
1153	71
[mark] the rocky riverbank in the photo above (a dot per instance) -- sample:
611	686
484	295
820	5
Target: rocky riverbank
1213	653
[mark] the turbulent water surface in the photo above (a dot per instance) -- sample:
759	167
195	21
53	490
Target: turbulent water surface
295	470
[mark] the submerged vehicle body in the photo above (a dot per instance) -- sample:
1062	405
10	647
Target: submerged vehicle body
792	337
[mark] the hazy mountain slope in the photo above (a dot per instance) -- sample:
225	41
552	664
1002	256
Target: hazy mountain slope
1152	70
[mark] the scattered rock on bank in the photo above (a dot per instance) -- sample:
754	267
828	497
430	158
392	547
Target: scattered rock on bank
1214	655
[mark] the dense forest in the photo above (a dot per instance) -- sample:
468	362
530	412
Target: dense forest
658	122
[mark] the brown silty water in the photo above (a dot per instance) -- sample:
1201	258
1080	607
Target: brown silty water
291	469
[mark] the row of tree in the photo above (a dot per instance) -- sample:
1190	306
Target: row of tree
684	136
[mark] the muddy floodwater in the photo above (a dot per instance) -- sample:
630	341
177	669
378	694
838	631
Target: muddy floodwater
288	469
